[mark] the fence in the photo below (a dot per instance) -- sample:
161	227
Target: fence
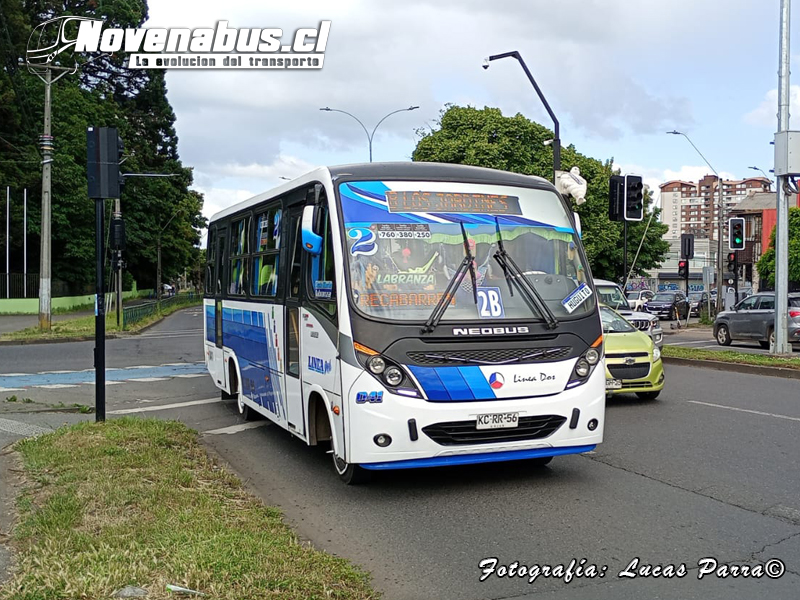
134	314
19	285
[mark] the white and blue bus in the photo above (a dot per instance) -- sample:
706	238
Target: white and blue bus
410	314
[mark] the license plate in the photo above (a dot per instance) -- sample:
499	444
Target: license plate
497	421
613	384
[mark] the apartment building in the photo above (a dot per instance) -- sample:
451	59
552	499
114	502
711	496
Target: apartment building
689	207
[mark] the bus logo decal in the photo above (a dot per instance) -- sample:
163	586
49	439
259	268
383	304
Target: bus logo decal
496	381
371	397
489	330
364	241
318	365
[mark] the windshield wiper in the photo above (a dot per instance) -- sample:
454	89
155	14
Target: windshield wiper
508	265
466	265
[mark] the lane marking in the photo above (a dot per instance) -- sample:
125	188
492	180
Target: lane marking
191	375
53	372
236	428
20	428
56	386
150	379
13	374
754	412
11	390
128	411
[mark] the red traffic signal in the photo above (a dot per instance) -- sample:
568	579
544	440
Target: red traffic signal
683	268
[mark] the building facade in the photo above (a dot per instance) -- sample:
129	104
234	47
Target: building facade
689	207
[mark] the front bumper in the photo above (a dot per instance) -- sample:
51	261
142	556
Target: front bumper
653	382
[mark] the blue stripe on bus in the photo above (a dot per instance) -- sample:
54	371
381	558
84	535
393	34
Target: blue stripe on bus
472	459
476	380
454	383
430	383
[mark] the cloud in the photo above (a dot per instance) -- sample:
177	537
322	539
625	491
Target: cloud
766	113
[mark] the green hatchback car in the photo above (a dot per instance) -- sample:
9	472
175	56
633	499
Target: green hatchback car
633	363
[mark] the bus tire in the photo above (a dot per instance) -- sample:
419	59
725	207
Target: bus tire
247	413
349	474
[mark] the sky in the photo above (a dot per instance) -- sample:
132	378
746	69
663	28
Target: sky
618	74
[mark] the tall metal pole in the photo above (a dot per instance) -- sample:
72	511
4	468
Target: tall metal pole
8	245
782	227
118	265
624	255
46	143
158	270
556	128
100	315
720	219
25	244
370	136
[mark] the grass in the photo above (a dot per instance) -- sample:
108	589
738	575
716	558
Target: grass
730	356
84	326
138	502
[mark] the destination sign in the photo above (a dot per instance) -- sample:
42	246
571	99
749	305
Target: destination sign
452	202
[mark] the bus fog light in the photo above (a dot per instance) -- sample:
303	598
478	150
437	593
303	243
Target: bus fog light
393	376
382	440
377	365
592	425
582	368
592	356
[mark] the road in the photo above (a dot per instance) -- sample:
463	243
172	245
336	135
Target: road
708	470
704	339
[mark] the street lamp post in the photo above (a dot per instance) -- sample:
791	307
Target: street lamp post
720	217
763	173
370	136
158	252
557	139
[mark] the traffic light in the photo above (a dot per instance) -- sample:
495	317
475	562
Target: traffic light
616	197
104	150
736	233
634	198
683	269
733	266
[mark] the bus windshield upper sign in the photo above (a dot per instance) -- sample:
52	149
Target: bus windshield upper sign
401	201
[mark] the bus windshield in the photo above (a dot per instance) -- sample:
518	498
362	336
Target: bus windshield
405	243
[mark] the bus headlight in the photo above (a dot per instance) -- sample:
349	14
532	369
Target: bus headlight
393	376
592	356
376	365
582	367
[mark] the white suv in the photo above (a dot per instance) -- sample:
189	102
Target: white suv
637	298
611	295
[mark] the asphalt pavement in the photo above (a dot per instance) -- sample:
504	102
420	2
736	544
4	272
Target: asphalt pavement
708	471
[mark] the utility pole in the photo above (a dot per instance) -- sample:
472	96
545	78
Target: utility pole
46	144
782	345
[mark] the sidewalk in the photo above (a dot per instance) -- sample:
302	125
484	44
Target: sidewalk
12	323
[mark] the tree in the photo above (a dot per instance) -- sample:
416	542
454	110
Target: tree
104	93
484	137
766	264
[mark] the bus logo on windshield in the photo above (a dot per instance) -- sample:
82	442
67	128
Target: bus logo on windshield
496	381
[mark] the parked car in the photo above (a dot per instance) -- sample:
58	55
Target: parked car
611	295
633	362
637	298
698	301
754	319
668	305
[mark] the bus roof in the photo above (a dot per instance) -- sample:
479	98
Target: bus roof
425	171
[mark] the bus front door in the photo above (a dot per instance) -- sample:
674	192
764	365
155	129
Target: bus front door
293	383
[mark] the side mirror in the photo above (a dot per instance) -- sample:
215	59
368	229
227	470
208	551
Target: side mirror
577	218
312	243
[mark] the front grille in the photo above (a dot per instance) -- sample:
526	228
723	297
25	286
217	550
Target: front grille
456	433
640	324
630	384
631	354
490	357
636	371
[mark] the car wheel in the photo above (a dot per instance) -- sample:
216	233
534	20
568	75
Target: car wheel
648	395
723	336
349	474
538	463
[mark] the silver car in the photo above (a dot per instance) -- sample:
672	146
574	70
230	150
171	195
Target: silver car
754	319
611	295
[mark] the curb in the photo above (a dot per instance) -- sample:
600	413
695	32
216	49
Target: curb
84	338
781	372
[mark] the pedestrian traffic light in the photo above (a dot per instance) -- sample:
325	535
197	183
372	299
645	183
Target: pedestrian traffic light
616	197
683	269
736	233
634	198
104	150
733	266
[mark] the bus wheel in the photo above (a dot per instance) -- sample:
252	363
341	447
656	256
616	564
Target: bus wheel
350	474
248	414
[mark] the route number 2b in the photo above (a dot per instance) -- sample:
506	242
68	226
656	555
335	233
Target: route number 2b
490	303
